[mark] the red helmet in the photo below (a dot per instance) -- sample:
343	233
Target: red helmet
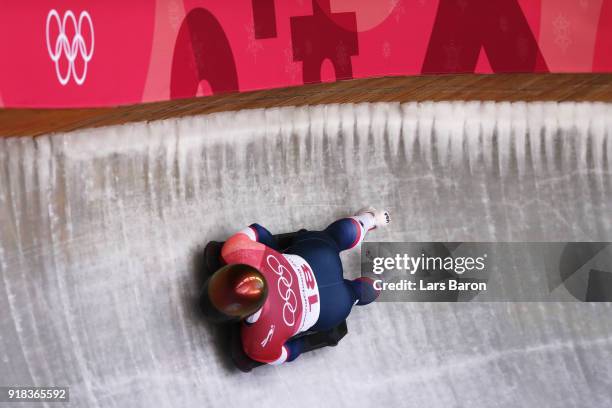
234	292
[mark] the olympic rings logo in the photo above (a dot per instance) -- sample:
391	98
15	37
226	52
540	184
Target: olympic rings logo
283	285
72	49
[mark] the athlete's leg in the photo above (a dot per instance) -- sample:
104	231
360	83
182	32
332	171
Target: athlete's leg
349	232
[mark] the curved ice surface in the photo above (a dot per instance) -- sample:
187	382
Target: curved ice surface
98	230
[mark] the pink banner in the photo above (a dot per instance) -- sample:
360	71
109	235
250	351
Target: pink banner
79	54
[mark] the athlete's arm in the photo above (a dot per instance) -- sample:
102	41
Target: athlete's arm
257	233
290	351
294	348
247	242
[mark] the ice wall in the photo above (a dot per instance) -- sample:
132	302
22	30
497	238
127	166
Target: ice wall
99	230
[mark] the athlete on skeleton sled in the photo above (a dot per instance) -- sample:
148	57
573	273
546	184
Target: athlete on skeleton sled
287	293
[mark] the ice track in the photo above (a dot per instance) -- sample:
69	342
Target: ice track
99	229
